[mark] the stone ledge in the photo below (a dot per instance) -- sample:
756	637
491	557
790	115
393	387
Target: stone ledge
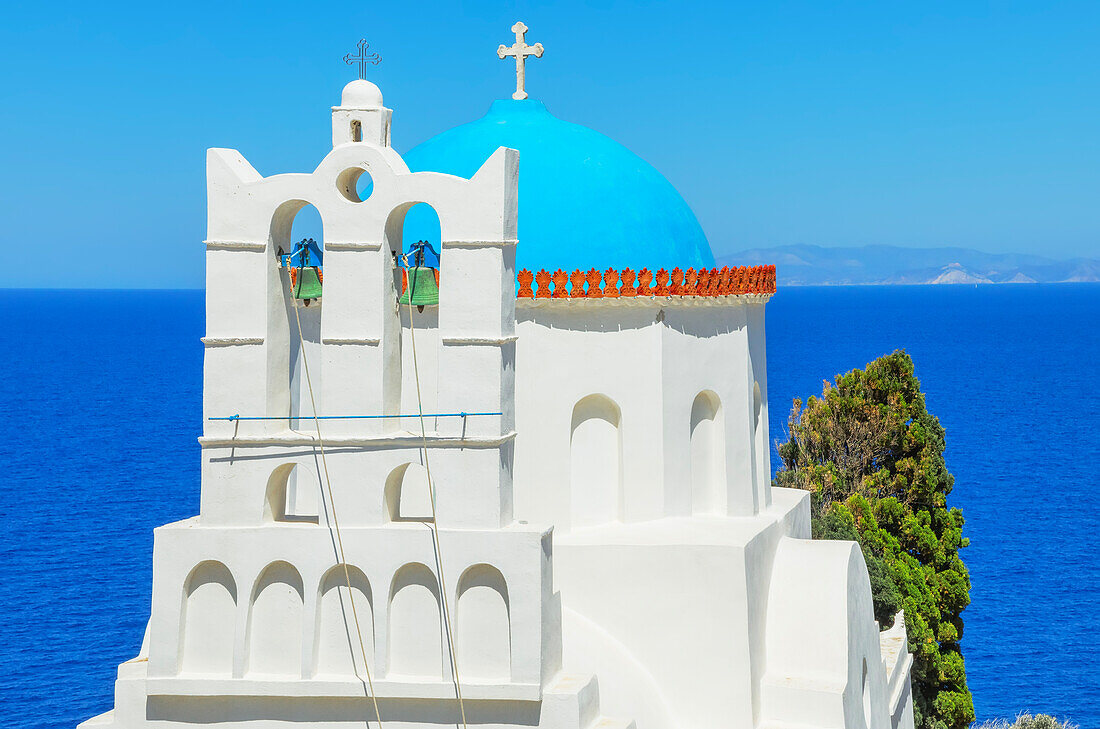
488	341
234	245
371	341
406	440
339	688
505	243
352	246
230	341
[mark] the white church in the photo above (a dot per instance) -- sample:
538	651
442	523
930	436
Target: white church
510	471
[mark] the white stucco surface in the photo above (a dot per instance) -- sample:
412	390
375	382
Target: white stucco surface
605	550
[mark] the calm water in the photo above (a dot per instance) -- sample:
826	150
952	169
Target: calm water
103	408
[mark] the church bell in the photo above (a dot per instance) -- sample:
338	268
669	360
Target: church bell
421	280
422	288
304	265
306	282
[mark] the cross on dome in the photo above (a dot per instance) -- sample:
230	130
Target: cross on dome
363	58
520	50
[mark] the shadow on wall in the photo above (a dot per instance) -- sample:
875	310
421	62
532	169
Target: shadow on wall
705	322
212	709
761	465
407	495
292	494
293	221
592	320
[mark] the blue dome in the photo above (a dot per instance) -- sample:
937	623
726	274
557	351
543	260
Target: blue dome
585	201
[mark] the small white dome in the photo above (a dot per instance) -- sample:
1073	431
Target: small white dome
361	94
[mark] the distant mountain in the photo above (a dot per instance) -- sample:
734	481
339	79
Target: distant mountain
807	265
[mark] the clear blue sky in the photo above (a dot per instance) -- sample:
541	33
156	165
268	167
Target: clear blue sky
834	123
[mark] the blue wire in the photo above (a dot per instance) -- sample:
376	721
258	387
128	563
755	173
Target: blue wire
347	417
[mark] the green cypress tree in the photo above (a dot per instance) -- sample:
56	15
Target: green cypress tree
872	456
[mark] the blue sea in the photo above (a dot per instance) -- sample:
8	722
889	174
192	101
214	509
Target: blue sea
103	408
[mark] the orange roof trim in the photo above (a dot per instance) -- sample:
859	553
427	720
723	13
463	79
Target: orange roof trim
723	281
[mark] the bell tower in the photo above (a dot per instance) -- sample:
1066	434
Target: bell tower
424	585
361	117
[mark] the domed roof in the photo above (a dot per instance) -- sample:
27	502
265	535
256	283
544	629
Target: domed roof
361	94
585	201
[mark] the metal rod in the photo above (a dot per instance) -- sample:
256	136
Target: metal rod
347	417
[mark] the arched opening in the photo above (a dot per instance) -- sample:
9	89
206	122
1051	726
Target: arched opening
292	494
407	495
209	620
708	462
417	632
408	226
338	650
299	278
405	225
595	462
275	623
483	640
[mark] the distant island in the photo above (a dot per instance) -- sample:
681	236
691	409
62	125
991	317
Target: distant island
810	265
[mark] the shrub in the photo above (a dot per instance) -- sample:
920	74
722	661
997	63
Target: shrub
872	456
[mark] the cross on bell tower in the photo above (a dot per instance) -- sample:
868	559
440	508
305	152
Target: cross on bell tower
363	58
520	50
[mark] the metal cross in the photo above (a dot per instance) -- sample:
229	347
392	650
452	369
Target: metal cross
363	58
520	50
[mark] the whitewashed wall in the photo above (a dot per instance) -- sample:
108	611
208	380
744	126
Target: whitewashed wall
637	369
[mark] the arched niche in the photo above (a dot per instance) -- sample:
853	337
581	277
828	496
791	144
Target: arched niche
208	620
708	454
292	222
417	633
759	440
292	494
275	623
338	651
407	495
595	461
483	629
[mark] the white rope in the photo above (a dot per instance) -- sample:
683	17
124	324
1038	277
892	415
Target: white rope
434	527
335	520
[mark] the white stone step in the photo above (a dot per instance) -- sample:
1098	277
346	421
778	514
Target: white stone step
610	722
573	700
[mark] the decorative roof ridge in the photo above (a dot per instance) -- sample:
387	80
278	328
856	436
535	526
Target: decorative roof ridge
705	282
